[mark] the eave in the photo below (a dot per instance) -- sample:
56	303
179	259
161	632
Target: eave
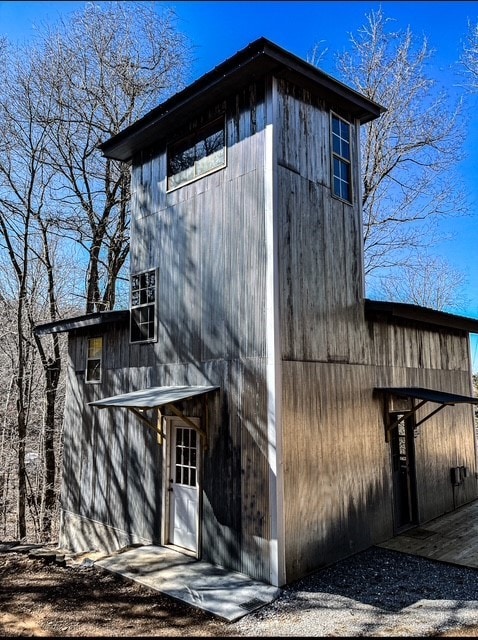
258	59
395	311
101	318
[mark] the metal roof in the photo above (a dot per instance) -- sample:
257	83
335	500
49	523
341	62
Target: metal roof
152	397
254	61
374	309
431	395
81	322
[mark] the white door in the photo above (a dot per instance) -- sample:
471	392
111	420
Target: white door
184	488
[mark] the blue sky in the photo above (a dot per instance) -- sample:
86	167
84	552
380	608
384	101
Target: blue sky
218	29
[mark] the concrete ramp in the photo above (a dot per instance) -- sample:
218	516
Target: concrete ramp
227	595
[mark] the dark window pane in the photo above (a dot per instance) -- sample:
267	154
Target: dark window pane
337	187
345	191
341	158
143	311
336	145
197	154
93	371
345	150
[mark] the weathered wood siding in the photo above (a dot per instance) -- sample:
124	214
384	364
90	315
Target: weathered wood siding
111	492
320	237
336	485
337	467
435	358
337	479
207	241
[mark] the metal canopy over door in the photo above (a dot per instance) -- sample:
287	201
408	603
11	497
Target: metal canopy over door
401	408
183	508
182	449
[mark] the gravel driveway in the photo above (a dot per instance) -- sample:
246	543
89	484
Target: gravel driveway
377	592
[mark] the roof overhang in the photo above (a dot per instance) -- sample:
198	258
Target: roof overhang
83	322
259	58
423	395
396	311
153	398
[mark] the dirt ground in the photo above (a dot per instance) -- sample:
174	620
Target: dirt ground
39	598
42	598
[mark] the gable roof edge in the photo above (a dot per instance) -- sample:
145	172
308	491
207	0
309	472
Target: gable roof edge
416	313
265	56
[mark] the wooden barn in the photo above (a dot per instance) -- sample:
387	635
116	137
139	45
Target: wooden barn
251	407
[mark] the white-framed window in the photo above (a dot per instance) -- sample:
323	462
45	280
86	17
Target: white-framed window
197	154
341	159
94	359
143	306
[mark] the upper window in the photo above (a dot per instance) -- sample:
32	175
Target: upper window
200	153
341	167
94	358
143	306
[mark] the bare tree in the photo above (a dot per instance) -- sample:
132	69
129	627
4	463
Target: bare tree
24	194
469	57
428	281
77	85
409	153
94	76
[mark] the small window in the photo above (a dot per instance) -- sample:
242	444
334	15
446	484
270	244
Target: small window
143	306
197	154
93	359
341	160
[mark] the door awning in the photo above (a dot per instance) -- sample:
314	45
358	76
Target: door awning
431	395
441	398
153	398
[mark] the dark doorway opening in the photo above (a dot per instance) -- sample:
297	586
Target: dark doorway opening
402	444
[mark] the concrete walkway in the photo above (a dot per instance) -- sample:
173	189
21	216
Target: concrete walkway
451	538
225	594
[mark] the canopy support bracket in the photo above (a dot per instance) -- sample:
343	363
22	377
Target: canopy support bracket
407	414
189	422
149	423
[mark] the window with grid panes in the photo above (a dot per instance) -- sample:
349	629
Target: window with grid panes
143	306
341	159
186	463
198	154
94	357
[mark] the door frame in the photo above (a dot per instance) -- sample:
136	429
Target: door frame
404	490
170	423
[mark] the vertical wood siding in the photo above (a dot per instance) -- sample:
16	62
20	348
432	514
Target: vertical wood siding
208	241
337	473
338	492
320	237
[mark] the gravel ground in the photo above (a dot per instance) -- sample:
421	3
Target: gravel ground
377	592
374	593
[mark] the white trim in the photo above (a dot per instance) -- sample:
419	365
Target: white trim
341	158
168	423
273	372
139	306
205	173
97	337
